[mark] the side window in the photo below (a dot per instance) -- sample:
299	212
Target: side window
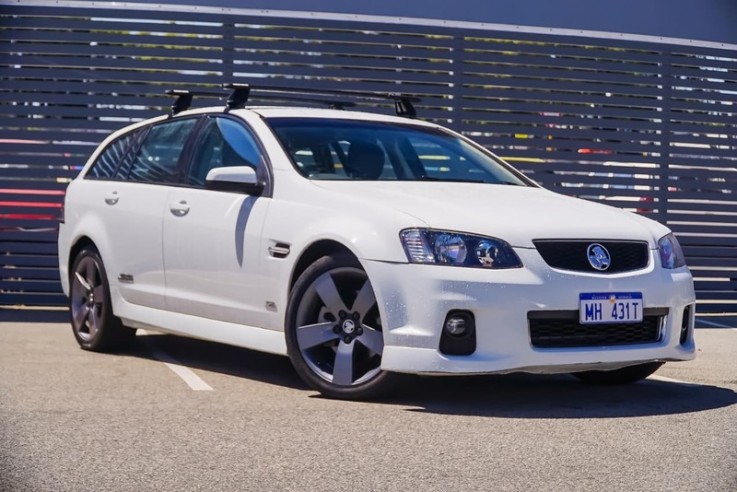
223	143
158	157
108	161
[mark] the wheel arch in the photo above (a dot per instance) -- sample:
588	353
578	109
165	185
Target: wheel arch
81	243
314	252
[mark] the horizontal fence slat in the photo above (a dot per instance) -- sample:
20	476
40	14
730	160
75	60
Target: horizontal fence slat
554	96
704	286
48	274
105	14
96	50
10	247
705	221
572	65
30	286
701	274
540	130
475	74
32	299
710	296
581	110
56	170
28	260
47	235
582	49
698	263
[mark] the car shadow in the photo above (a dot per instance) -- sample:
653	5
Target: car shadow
532	396
217	357
514	395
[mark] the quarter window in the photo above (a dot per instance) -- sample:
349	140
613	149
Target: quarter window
108	161
158	158
223	143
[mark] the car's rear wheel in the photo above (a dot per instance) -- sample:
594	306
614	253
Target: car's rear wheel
334	331
625	375
94	325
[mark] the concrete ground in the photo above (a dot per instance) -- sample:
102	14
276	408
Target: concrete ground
174	414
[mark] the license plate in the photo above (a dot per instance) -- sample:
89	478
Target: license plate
610	307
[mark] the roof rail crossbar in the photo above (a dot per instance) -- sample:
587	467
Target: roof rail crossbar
182	102
402	103
332	104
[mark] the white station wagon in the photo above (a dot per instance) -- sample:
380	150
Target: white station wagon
361	246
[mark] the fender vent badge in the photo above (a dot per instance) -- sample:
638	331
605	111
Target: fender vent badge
125	278
279	250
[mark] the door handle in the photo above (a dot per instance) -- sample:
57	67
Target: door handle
179	209
112	198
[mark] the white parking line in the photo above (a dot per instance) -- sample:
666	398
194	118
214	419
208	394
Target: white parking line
711	323
187	375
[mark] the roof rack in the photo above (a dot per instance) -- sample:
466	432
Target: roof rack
241	92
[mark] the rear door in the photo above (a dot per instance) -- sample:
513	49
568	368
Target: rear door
132	207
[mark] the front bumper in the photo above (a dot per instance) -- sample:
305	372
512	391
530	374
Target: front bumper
415	299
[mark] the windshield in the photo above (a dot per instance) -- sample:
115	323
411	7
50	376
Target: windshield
336	149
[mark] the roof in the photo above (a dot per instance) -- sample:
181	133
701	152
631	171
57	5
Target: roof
298	112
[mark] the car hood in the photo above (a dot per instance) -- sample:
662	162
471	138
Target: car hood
516	214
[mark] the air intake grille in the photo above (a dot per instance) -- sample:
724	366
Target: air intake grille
571	255
561	329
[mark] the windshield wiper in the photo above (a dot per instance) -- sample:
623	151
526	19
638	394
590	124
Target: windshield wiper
452	180
461	180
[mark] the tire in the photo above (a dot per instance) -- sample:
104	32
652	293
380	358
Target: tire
334	349
94	325
625	375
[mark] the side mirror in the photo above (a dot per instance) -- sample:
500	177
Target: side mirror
237	178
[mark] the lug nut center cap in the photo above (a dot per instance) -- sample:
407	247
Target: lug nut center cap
349	326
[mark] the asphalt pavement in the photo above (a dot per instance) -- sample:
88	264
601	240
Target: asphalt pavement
174	414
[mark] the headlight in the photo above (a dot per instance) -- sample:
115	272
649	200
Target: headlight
457	249
671	254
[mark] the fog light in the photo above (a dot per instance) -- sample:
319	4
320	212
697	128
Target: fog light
456	325
458	336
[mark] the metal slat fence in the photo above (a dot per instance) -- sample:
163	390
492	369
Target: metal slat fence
646	126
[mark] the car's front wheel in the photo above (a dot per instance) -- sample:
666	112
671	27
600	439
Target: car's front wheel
334	331
94	325
625	375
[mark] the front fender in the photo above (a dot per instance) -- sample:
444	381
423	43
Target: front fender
368	233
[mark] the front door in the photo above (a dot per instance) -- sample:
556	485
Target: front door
212	240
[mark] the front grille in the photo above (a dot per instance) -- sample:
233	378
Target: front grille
571	255
561	329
